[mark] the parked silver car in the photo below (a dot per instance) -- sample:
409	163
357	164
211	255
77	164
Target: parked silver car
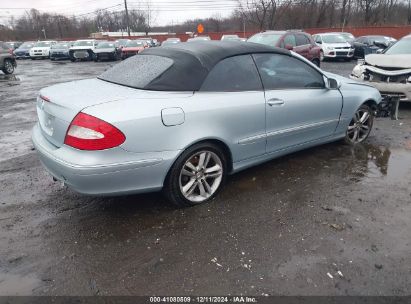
203	111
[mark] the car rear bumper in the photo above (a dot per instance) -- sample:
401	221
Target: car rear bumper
107	172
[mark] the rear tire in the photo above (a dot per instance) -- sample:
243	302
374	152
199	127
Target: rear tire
196	176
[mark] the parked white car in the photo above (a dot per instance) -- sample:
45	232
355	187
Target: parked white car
83	49
334	46
41	49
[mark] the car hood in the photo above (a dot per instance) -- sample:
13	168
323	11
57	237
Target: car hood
346	81
106	50
337	45
40	48
22	49
389	61
58	50
81	47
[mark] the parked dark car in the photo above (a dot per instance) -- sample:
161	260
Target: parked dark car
60	51
23	51
365	45
107	51
297	41
7	60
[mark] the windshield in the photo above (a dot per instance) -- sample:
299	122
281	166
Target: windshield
42	44
83	43
122	41
27	45
400	47
135	43
333	39
106	45
60	46
271	39
347	36
137	71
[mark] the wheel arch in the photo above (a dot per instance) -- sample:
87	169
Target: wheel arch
371	103
218	142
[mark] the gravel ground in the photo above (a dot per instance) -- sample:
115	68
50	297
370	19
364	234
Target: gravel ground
332	220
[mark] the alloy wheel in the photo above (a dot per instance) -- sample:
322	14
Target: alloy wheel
360	126
201	176
8	67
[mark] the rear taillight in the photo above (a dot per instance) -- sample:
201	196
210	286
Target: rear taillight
87	132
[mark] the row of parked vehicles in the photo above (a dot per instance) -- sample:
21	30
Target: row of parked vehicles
323	46
84	49
316	48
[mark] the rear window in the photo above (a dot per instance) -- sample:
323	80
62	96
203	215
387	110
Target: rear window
137	71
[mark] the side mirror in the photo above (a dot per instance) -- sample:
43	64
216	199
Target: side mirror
289	47
319	42
379	51
333	84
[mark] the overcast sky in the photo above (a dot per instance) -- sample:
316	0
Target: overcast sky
165	11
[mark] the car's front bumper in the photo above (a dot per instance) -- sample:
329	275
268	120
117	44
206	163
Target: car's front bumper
389	89
59	55
336	53
107	172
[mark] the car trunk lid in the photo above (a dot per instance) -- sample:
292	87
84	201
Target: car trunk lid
59	104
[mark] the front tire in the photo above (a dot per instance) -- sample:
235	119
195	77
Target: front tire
360	126
196	176
8	67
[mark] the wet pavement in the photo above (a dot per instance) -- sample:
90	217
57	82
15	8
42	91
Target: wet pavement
332	220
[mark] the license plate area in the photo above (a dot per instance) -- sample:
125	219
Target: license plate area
81	54
46	120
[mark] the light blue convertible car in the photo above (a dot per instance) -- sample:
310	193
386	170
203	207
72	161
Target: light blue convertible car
181	118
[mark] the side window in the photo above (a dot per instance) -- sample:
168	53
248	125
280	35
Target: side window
285	72
318	39
290	39
232	74
302	39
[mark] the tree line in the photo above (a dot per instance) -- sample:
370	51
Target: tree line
250	15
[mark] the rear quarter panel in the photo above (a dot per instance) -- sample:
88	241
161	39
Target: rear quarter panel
228	119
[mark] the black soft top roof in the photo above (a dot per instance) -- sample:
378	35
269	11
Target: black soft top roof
194	60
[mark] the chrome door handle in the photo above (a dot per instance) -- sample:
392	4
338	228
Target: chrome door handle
275	102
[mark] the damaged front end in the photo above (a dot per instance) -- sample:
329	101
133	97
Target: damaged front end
388	107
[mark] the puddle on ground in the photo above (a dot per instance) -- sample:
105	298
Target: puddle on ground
15	285
381	162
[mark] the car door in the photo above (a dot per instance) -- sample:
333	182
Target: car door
299	108
231	106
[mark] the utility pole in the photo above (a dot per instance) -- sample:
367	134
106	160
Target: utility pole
127	20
